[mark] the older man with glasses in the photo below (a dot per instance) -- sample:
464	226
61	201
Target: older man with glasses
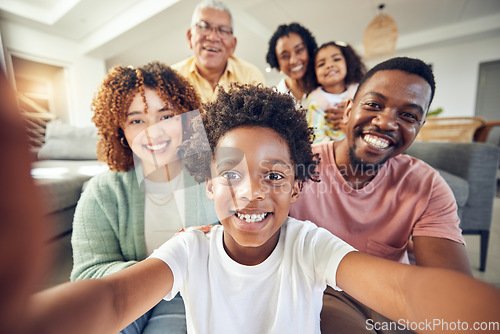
213	43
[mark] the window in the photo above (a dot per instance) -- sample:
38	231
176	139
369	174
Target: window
41	94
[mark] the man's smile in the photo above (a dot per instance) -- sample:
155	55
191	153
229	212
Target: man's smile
211	49
376	141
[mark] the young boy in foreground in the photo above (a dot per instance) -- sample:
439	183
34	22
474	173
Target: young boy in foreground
261	271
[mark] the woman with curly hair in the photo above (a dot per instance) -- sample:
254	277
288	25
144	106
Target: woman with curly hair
338	70
125	213
291	50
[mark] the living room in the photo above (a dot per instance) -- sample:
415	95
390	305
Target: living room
76	42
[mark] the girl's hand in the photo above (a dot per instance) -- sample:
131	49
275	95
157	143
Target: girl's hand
334	115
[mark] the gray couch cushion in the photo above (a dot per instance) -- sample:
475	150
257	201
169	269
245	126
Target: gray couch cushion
60	182
459	186
60	194
63	141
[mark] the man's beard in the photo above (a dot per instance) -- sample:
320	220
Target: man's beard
362	165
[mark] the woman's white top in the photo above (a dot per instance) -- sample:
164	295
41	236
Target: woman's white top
163	211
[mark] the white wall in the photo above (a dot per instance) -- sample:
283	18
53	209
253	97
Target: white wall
455	64
83	73
456	68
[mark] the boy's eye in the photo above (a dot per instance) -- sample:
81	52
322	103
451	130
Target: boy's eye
164	117
230	175
135	121
274	176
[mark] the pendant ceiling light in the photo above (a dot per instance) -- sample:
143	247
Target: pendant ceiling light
380	36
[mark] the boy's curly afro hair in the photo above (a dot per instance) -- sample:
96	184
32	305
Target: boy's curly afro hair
248	105
115	94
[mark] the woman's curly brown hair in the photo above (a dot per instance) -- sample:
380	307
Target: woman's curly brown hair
248	105
114	96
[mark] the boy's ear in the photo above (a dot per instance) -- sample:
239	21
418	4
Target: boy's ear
210	187
296	188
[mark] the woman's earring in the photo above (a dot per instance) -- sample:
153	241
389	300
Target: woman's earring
124	142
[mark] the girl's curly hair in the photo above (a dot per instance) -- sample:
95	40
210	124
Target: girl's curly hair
248	105
310	43
114	96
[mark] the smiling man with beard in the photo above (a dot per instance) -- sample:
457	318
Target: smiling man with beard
213	43
376	198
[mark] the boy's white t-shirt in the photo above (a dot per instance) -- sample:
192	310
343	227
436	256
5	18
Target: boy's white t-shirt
283	294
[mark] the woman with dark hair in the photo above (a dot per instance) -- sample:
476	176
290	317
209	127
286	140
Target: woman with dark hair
291	50
143	115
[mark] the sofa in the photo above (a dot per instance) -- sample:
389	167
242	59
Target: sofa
63	165
470	169
68	160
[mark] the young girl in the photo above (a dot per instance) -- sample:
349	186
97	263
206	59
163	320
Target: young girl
261	271
142	114
291	50
338	71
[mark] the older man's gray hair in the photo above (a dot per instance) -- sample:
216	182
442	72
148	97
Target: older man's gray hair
214	4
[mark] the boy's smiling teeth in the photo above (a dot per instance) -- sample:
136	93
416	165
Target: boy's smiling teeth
253	218
376	141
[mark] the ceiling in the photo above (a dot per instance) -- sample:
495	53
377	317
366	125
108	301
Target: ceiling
138	31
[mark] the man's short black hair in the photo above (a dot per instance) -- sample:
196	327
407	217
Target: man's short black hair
405	64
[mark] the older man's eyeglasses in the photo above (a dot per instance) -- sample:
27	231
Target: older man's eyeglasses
222	31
